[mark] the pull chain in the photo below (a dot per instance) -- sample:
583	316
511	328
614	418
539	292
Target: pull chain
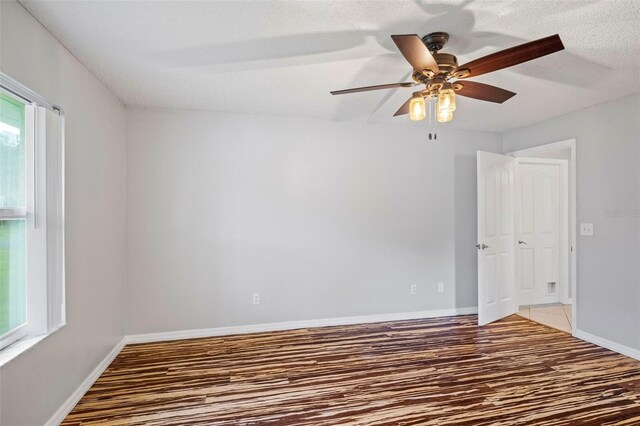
430	119
433	122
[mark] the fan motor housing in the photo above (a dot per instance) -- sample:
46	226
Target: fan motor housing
447	62
435	41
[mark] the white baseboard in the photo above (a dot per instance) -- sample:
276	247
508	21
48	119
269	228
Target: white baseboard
71	402
291	325
616	347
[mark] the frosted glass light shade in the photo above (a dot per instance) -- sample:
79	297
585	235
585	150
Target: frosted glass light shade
416	109
444	116
447	100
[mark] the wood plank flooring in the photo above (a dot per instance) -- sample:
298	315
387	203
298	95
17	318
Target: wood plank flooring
442	371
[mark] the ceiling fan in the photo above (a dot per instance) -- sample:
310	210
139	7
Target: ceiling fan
443	78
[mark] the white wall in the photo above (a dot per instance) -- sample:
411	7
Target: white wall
558	154
608	177
323	219
35	385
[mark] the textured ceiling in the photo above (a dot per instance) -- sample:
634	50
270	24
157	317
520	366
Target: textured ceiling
283	57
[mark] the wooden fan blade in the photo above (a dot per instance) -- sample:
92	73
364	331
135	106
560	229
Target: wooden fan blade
368	88
404	109
514	56
484	92
415	52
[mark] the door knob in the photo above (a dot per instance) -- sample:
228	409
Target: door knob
521	242
481	246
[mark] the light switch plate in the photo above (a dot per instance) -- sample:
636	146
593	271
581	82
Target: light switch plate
586	229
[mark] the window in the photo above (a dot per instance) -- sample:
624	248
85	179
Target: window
13	194
31	215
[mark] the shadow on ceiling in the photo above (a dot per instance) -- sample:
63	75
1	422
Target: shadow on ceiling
318	48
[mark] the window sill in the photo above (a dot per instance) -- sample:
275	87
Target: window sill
21	346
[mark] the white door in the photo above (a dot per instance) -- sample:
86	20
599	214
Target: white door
541	230
496	245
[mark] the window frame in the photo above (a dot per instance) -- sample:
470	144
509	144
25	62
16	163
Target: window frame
20	213
43	216
14	335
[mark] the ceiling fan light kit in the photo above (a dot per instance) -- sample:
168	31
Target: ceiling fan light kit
439	73
446	104
417	110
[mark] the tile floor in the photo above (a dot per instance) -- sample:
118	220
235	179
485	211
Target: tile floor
556	316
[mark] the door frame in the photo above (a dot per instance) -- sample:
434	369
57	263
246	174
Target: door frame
554	146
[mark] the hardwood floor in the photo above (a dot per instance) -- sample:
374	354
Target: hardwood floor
442	371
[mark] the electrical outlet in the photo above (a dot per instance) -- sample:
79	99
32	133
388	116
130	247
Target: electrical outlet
414	289
256	298
586	229
440	287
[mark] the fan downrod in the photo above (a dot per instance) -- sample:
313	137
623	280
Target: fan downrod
435	41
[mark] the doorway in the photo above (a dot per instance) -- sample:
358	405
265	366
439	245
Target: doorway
526	201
